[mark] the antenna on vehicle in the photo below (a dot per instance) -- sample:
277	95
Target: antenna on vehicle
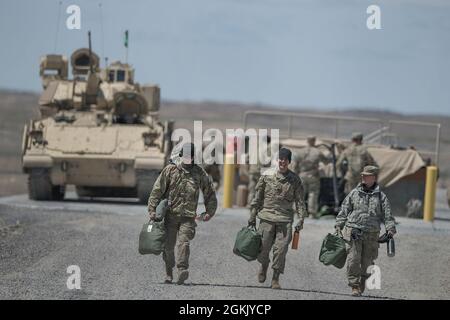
101	27
90	53
57	25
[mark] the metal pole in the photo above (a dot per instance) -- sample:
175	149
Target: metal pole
430	194
438	140
336	128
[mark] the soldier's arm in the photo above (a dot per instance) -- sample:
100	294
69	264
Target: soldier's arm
159	188
299	196
388	218
346	209
209	194
258	199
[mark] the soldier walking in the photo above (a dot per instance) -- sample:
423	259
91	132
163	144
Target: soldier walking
180	183
276	193
357	157
362	212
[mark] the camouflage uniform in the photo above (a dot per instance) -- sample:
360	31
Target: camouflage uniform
357	157
181	186
273	203
213	170
307	166
362	210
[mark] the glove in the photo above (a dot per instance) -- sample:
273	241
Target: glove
152	216
338	230
391	232
252	223
299	225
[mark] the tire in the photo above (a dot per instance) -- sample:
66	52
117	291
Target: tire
58	193
39	185
82	192
145	182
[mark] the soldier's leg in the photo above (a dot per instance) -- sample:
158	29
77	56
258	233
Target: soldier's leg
267	232
186	233
313	196
280	248
283	238
171	224
354	250
369	253
305	183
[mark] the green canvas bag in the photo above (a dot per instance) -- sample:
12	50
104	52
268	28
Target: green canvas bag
333	251
248	243
152	238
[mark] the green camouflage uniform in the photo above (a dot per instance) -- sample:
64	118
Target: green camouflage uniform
181	186
276	193
214	171
307	166
357	157
362	210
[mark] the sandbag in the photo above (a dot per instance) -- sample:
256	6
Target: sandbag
248	243
333	251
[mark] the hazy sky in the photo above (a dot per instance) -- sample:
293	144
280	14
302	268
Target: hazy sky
308	53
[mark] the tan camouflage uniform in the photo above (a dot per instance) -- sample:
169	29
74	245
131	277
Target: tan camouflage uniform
363	210
181	186
357	157
276	193
307	166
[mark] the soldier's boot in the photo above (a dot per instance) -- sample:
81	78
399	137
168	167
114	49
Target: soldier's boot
356	292
169	275
362	285
276	280
183	274
262	274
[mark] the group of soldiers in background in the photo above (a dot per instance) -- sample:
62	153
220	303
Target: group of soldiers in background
306	162
278	196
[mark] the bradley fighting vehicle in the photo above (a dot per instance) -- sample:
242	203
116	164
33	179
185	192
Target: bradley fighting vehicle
99	131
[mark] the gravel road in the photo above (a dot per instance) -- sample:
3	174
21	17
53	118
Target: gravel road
39	240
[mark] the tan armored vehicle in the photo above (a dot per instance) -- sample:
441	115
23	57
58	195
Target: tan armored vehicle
99	131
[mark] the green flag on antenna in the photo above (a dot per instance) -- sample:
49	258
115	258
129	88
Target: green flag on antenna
126	39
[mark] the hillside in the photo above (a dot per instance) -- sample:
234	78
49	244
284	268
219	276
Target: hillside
17	108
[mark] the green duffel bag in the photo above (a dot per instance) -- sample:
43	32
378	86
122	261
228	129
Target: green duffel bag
333	251
247	244
152	238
